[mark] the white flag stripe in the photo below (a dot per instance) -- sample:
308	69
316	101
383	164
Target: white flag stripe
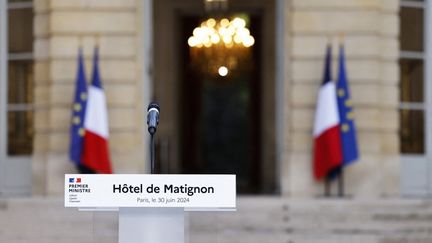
327	114
96	118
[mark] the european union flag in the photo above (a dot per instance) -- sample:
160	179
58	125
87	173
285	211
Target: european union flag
78	112
346	114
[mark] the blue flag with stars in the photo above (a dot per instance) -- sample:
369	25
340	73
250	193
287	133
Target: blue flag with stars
78	113
346	114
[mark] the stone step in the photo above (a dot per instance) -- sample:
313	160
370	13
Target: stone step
258	219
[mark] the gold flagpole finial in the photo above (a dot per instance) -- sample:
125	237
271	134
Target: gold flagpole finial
80	41
342	37
329	40
97	40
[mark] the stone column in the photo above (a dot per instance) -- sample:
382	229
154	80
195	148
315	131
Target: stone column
370	28
61	26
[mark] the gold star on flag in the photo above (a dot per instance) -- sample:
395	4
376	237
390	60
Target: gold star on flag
76	120
341	92
77	107
348	103
350	115
345	127
83	96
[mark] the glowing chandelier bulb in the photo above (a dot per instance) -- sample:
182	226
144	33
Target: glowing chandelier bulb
226	32
223	71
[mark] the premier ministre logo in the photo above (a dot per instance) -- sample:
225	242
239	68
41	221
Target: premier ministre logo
73	180
76	186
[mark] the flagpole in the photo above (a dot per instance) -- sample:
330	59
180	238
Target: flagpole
327	188
97	40
341	192
80	42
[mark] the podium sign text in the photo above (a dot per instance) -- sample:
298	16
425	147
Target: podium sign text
144	190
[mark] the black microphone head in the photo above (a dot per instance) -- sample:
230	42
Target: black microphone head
153	104
153	117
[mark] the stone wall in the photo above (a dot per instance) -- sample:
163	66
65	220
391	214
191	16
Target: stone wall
370	30
60	27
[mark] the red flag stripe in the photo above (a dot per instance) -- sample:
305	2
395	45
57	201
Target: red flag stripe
327	152
95	153
327	145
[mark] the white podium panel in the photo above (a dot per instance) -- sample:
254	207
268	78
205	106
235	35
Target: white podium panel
131	190
151	225
151	207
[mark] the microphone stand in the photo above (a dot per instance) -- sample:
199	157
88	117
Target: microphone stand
152	153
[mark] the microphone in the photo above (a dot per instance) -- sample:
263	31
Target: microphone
153	117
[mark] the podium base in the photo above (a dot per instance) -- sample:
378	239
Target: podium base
151	225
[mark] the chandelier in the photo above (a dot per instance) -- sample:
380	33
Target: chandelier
221	46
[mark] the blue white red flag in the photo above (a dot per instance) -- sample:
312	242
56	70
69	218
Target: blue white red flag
327	154
96	150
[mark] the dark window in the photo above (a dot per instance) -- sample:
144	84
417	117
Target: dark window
20	78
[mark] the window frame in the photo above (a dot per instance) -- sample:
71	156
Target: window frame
3	88
420	163
416	55
15	170
428	89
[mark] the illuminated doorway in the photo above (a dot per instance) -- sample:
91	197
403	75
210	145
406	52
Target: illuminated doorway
220	130
216	125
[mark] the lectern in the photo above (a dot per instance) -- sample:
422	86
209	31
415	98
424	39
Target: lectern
151	207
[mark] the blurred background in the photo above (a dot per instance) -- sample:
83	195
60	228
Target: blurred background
238	100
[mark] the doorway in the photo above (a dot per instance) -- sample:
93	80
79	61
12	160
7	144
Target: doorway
216	125
220	125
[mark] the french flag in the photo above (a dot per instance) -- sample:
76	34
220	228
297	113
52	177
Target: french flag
95	154
327	153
